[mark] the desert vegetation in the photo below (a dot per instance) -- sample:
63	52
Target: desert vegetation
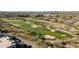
43	29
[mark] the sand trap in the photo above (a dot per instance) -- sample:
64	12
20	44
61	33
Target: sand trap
34	26
63	35
16	24
52	30
49	37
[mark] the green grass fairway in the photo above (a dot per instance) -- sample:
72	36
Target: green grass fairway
38	31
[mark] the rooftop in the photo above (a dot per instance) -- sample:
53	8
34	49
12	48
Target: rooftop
4	42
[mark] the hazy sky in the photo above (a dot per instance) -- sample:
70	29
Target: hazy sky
39	5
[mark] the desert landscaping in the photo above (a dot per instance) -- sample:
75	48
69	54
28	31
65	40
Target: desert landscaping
43	29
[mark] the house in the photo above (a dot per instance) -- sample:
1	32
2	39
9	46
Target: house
4	42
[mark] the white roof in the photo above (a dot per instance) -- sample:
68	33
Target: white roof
4	42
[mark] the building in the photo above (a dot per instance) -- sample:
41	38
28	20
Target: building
5	42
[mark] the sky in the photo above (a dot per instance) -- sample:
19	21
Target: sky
39	5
